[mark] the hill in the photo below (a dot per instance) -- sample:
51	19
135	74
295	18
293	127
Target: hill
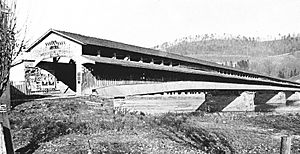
295	78
277	57
230	45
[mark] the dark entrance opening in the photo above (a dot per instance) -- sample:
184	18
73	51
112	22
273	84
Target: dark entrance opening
64	73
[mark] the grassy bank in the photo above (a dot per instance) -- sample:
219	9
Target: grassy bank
79	125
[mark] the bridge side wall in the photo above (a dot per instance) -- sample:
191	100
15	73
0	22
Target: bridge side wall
102	75
105	75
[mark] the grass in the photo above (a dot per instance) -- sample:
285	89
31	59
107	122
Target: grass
289	122
179	130
76	125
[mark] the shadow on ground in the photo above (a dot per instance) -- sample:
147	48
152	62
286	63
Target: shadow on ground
28	149
17	100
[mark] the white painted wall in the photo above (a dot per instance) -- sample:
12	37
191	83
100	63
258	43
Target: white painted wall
66	48
17	73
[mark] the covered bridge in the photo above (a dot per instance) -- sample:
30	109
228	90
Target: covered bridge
65	62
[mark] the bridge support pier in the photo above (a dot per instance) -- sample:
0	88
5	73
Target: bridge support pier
269	97
269	100
245	102
217	101
294	98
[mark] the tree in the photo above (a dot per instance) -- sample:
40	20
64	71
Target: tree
268	67
281	74
8	45
243	64
292	74
295	72
8	42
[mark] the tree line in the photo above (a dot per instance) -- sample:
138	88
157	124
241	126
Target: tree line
232	45
263	55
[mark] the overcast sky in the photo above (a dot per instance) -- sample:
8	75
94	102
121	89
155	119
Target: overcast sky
151	22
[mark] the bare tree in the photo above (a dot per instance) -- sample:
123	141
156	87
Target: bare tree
8	46
7	38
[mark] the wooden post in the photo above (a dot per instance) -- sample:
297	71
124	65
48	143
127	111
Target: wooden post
4	121
2	141
286	142
78	71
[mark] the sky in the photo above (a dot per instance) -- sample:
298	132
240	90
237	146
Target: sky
148	23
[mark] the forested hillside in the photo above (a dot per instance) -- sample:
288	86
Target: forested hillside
230	45
278	57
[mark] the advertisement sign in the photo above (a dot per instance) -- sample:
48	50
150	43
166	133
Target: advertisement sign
38	80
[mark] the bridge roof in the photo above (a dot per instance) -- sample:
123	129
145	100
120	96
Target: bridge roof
87	40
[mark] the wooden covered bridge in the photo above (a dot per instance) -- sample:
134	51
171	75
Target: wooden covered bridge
71	63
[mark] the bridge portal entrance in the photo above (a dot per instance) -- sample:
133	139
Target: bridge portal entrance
58	77
55	66
52	76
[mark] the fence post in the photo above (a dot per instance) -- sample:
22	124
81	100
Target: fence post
286	142
4	120
2	140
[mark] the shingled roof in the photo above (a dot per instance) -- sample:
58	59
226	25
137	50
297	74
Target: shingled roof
87	40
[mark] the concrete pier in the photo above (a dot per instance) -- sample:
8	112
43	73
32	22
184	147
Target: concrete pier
267	101
269	97
294	98
245	102
217	101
